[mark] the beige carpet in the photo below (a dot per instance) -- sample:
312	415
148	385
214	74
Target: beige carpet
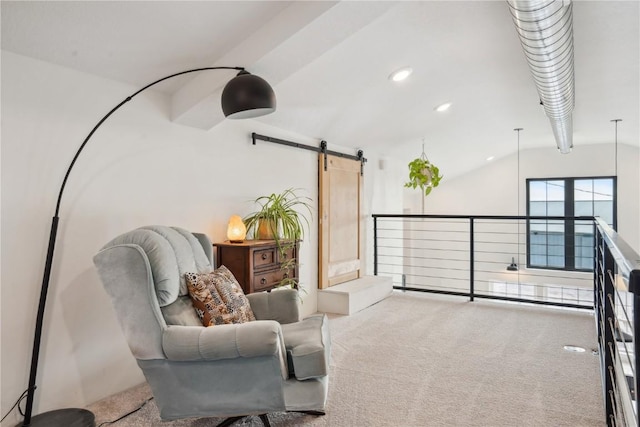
428	360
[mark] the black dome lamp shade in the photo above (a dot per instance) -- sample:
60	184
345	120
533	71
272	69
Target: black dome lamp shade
247	96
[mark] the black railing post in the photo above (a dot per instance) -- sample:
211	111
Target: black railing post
375	246
598	291
597	241
597	282
609	318
471	261
634	287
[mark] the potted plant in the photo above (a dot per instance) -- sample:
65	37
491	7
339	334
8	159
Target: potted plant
282	217
423	174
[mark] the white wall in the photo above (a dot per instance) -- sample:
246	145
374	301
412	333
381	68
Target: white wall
138	169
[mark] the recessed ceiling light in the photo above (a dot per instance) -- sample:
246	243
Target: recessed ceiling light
490	158
401	74
443	107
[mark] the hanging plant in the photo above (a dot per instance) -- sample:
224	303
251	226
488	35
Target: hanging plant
423	174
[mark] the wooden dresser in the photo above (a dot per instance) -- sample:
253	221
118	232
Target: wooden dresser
256	264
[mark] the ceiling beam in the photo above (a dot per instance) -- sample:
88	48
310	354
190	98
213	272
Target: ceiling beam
292	40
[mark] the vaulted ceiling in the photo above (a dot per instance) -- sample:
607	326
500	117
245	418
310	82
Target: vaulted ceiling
329	64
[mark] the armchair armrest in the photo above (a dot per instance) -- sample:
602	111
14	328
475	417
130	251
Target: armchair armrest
279	305
251	339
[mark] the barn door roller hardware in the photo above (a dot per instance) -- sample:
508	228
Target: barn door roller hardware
359	157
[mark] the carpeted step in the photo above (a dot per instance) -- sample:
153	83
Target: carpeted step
355	295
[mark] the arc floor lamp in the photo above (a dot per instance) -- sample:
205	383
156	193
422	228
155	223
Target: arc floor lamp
244	96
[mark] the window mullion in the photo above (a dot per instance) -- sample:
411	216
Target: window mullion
569	226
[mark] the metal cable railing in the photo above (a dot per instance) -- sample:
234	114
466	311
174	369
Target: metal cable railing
617	293
469	255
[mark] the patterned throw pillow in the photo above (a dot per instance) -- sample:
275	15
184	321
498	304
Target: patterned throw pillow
218	298
206	300
232	295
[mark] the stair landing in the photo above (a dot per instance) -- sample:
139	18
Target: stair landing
355	295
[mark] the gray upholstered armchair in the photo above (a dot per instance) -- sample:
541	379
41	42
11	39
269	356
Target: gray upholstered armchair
276	363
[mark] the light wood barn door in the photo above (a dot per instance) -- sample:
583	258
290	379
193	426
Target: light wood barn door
340	233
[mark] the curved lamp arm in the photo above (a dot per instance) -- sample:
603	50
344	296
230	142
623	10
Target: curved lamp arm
259	92
116	108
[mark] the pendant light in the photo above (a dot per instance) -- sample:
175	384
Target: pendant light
514	266
615	149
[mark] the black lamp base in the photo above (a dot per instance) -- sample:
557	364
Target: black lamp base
70	417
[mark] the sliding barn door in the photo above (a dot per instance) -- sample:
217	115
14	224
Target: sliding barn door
340	233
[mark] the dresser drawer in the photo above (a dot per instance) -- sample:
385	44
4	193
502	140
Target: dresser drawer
269	279
264	258
288	255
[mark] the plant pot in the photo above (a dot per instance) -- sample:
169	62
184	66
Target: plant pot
423	175
266	229
426	172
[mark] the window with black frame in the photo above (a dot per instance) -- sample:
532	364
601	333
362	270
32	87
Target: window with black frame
564	244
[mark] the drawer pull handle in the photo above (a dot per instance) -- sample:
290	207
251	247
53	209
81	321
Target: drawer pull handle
264	256
263	281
